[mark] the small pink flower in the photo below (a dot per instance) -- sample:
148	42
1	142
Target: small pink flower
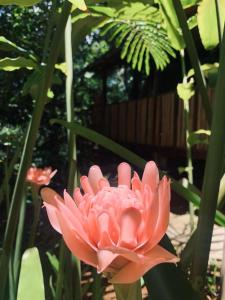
115	229
40	176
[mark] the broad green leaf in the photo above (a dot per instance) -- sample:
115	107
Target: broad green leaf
6	45
168	282
19	2
105	10
79	4
11	64
31	284
171	23
189	3
200	136
207	22
185	90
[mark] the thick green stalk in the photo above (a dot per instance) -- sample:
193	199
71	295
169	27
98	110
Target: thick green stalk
29	146
191	48
212	175
36	210
130	291
188	146
18	244
74	263
67	264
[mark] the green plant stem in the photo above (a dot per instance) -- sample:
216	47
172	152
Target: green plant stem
6	185
212	176
128	291
191	48
29	146
67	263
187	133
9	172
18	244
36	211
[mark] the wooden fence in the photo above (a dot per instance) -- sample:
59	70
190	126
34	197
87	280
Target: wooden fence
157	122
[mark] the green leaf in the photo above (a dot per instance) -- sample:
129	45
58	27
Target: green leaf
11	64
53	261
192	22
171	23
189	3
207	22
19	2
31	284
80	4
168	282
6	45
185	90
200	136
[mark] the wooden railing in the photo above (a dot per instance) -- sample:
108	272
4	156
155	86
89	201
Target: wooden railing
157	122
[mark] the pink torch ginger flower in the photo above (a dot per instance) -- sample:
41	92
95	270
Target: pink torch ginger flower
40	176
115	229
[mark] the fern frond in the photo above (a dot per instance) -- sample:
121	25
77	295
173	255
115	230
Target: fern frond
138	30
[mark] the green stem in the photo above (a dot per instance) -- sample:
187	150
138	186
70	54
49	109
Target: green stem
130	291
188	146
18	245
29	146
67	263
9	172
36	211
6	186
212	175
191	48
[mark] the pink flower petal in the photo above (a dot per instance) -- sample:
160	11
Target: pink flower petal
86	185
151	175
104	229
105	258
94	176
51	198
164	210
53	219
133	271
126	253
76	245
77	196
129	224
103	182
124	174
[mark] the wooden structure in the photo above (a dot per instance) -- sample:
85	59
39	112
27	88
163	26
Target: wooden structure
156	122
